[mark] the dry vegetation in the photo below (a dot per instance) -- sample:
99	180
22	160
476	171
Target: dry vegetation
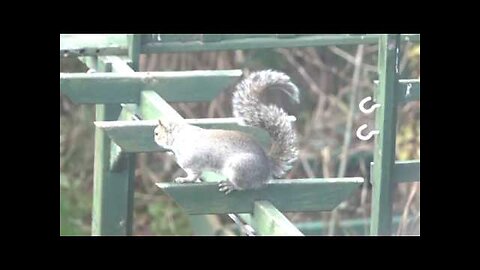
327	120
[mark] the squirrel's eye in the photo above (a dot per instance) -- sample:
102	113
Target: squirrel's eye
156	134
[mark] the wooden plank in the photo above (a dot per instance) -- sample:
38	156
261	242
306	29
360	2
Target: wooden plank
137	136
268	221
73	45
407	90
262	42
404	171
385	122
287	195
173	86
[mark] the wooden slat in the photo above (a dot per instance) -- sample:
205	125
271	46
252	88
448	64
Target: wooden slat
287	195
173	86
268	221
262	42
404	171
137	136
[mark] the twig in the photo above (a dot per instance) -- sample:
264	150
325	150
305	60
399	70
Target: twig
307	168
350	58
326	162
301	70
402	225
353	98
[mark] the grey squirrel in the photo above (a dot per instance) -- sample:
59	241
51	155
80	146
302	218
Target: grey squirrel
236	155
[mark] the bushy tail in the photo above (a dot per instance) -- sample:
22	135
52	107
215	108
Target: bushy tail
247	105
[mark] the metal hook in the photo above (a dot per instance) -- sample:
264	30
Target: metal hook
368	136
361	105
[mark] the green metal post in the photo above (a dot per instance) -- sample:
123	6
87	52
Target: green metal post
385	122
113	195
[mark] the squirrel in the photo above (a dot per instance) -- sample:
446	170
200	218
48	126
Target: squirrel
236	155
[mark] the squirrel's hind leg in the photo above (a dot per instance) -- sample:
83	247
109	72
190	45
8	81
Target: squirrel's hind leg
192	176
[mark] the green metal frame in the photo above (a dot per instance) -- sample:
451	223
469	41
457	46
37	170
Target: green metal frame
386	172
119	137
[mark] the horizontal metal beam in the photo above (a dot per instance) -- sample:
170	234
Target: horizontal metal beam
113	44
173	86
73	45
404	171
268	221
314	194
259	42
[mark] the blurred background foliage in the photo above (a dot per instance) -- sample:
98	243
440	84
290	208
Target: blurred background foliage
325	76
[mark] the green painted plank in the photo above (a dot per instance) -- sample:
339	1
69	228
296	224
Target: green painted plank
385	122
358	226
92	44
404	171
173	86
137	136
408	90
287	195
262	42
268	221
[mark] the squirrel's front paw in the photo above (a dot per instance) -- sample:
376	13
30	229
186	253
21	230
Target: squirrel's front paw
226	186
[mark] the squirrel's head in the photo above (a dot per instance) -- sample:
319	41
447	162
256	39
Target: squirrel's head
164	133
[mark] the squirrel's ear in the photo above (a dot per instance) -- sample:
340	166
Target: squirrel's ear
160	123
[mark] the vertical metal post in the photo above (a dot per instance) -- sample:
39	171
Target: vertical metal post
113	191
385	122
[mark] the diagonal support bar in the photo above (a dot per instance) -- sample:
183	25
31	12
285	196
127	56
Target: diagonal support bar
267	220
